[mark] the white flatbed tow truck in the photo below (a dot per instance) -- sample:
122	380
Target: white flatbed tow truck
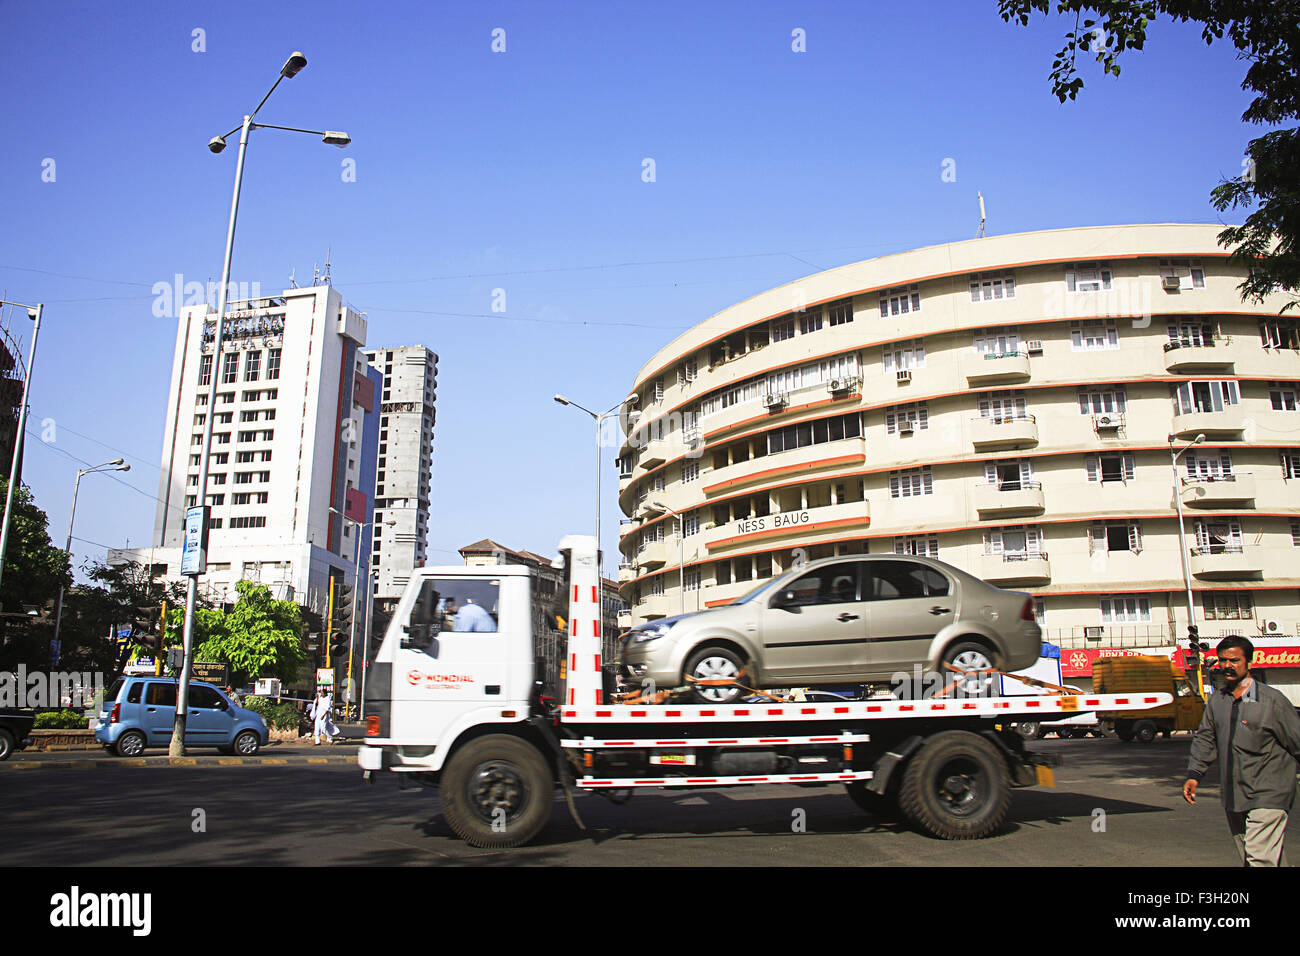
460	697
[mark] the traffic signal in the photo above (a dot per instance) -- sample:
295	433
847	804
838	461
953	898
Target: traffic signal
338	643
342	606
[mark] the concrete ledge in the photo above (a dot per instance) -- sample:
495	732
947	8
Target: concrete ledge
197	763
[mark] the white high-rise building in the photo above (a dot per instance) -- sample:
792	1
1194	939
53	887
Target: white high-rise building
295	435
405	468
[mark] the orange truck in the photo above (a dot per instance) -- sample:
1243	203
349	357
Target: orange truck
1135	675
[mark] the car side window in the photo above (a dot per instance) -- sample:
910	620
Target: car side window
895	580
833	584
133	695
161	695
204	697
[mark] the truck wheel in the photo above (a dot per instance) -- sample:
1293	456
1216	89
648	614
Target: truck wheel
130	744
1029	730
715	663
956	787
496	792
6	744
883	806
1145	731
1124	730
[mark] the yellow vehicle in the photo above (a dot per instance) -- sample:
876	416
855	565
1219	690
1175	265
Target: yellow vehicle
1136	675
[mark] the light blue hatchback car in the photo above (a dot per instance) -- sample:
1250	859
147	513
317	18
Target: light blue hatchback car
139	712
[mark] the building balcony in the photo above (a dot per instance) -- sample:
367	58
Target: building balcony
654	606
1001	499
1015	567
1210	355
1227	422
655	554
991	367
656	452
626	572
826	457
988	433
1226	562
1219	492
780	526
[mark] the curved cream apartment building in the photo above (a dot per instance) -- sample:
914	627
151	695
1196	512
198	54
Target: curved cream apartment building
1004	404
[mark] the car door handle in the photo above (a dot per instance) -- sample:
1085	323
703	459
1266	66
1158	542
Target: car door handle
846	616
939	610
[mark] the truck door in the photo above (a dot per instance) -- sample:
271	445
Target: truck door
460	647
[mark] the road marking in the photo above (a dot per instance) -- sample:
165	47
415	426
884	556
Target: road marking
318	760
231	761
278	761
183	761
26	765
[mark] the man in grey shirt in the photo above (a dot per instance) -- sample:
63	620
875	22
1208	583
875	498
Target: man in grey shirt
1254	732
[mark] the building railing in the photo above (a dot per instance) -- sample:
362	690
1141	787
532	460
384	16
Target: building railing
1004	419
1014	484
1009	556
1112	635
1232	548
1014	353
1206	342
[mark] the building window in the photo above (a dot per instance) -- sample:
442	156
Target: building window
657	585
1291	463
686	372
253	366
215	500
1187	334
997	342
988	286
222	438
1279	334
227	398
243	457
814	433
1218	537
1209	467
657	483
1281	395
201	400
690	471
900	300
220	458
1003	406
810	322
192	481
1087	277
218	479
196	440
658	390
199	420
1093	335
915	413
229	367
925	546
782	330
903	355
1192	397
691	524
1188	271
691	579
195	460
1009	475
190	501
1114	466
1014	543
840	313
1115	536
273	363
248	521
205	372
1126	609
911	483
240	498
1094	401
243	477
1295	534
1228	605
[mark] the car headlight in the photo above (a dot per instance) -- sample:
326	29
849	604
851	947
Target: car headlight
651	632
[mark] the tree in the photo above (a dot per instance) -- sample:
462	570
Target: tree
34	570
120	596
1264	32
260	637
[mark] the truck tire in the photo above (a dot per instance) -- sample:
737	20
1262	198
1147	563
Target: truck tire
956	787
883	806
1030	730
1145	731
1124	730
497	791
715	663
6	744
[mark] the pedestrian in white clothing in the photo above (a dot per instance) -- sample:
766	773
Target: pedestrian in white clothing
323	723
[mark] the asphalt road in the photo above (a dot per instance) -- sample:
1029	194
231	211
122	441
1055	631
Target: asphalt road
325	814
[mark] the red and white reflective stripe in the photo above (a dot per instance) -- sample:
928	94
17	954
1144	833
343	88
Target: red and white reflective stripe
595	598
618	783
595	628
589	743
575	627
575	594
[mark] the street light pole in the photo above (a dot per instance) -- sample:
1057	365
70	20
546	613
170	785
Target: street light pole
1182	532
291	68
117	465
681	551
15	469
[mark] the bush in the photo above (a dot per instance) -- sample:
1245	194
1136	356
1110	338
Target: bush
283	716
60	720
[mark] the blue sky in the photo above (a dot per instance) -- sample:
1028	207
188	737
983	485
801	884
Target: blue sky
521	171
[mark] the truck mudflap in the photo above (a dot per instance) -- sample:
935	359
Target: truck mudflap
1032	770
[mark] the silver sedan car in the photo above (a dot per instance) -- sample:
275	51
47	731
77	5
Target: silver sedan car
879	619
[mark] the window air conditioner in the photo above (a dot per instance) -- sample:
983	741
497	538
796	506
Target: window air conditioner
773	400
1092	633
905	428
1035	347
904	375
1270	627
1170	283
1107	421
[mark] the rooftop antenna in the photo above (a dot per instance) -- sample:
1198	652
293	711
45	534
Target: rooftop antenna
981	195
326	278
315	278
293	283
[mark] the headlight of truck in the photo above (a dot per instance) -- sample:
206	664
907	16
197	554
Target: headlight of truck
650	632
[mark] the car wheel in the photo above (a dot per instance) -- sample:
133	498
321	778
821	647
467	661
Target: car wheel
130	744
6	744
969	656
883	806
956	787
715	663
1029	730
496	791
246	743
1144	731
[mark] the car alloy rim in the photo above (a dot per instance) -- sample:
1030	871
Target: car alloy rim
244	744
133	746
497	788
716	668
973	661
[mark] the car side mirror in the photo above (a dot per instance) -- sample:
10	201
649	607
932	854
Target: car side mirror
786	600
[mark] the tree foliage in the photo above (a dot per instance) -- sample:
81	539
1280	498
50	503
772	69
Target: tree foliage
1265	33
259	637
34	569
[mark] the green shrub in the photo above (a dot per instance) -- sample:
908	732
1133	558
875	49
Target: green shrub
282	716
60	720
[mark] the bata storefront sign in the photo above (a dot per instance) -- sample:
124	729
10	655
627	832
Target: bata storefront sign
1287	656
1078	663
786	519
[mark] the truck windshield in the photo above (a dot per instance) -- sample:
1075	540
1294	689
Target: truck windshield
460	605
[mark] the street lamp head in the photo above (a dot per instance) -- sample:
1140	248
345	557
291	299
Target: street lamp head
293	66
117	461
561	399
122	468
1198	439
217	144
334	137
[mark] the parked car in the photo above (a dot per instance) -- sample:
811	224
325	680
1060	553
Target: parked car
841	620
15	730
139	712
